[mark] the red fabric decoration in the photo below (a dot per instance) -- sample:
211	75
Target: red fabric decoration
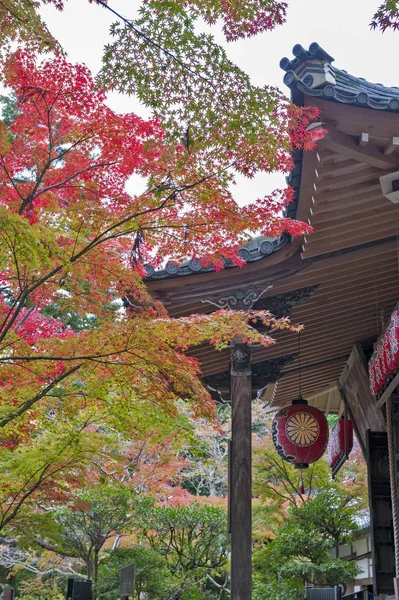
336	447
385	358
388	359
393	333
373	376
300	433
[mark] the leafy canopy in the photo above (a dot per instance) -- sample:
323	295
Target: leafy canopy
84	348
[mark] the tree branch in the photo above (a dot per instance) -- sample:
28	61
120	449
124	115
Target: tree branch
26	405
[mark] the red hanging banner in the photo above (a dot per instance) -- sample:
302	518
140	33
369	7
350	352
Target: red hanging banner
340	445
385	359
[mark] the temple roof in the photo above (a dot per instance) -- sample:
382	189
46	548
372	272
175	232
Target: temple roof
341	281
311	73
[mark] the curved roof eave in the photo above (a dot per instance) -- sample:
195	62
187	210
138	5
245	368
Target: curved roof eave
258	249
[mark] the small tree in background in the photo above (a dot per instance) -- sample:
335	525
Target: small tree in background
81	529
296	532
301	550
194	541
277	483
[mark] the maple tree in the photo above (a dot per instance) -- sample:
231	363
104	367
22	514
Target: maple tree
300	552
75	504
197	92
85	377
66	454
35	575
21	19
205	473
20	23
74	242
277	483
68	232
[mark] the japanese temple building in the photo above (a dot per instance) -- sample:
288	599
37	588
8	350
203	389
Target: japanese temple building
341	282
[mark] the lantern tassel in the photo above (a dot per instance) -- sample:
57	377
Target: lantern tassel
301	486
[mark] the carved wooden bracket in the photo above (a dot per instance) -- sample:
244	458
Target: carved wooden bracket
240	359
240	299
263	373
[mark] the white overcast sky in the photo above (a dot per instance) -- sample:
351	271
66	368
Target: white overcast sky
341	27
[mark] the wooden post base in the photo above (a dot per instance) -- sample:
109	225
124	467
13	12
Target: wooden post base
396	587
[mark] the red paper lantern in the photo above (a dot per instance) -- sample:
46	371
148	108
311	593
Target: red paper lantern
300	433
337	450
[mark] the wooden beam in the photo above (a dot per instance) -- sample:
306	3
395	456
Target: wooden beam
391	387
391	146
345	144
331	159
344	243
308	178
338	314
350	192
347	166
355	390
353	118
347	179
271	409
355	200
352	213
347	226
329	401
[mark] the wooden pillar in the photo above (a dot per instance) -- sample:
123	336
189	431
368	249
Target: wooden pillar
240	492
382	542
392	417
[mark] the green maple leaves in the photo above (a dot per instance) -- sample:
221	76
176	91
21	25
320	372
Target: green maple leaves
203	100
21	23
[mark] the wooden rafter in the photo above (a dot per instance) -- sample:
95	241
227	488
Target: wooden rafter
391	146
348	146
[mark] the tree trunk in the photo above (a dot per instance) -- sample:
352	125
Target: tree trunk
95	574
91	574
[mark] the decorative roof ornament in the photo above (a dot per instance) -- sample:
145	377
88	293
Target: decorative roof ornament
240	299
263	373
312	67
311	73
